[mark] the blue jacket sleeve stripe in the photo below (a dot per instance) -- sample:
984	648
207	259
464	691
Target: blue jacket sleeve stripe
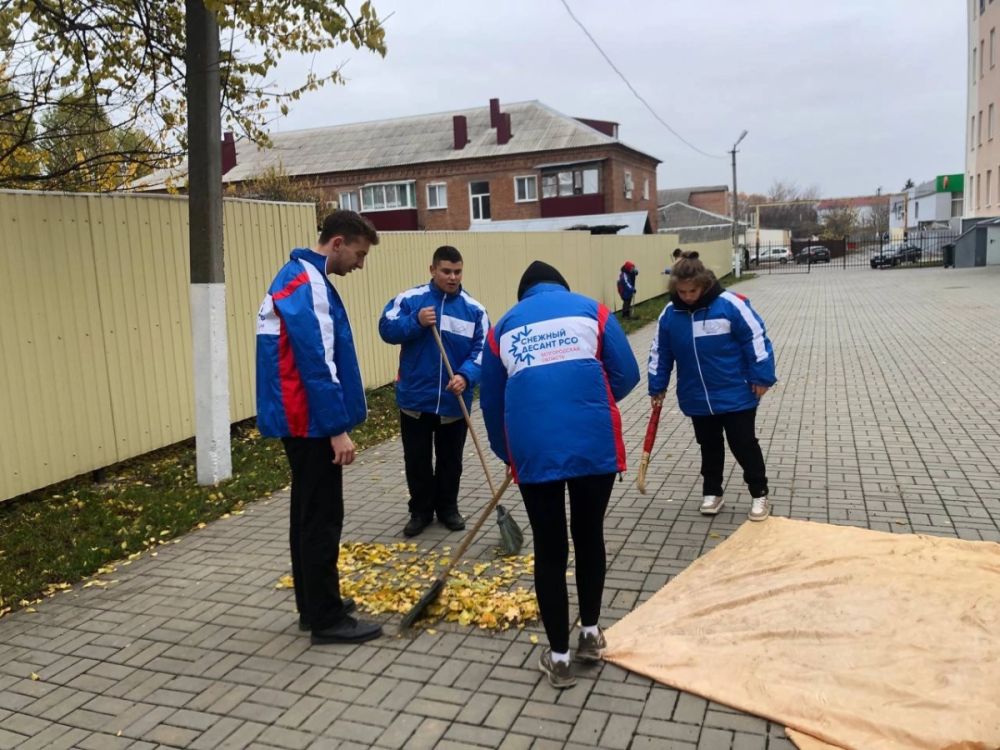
482	326
321	305
752	322
660	358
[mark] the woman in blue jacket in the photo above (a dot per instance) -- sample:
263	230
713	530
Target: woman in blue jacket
725	364
553	369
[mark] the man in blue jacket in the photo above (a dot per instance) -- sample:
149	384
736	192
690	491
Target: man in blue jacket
430	417
310	394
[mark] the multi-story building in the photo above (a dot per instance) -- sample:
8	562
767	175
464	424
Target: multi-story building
982	152
935	204
456	169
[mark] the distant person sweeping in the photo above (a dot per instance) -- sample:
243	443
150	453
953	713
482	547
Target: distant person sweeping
626	287
554	368
725	364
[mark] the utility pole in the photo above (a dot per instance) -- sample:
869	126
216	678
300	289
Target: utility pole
739	257
208	279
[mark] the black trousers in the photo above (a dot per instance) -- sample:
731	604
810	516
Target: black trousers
741	434
433	484
546	506
315	524
627	308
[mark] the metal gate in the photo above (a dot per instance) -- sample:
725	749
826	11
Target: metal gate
876	253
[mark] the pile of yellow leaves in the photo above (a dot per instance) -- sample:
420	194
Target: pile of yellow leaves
392	578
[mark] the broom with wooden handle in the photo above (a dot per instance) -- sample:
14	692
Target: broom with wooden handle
417	610
647	446
511	536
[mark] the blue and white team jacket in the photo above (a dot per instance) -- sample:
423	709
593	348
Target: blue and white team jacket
554	368
308	380
720	347
462	321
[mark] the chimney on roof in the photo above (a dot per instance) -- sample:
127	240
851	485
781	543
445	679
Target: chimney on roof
460	127
503	128
228	152
494	112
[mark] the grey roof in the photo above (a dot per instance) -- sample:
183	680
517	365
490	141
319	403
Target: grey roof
683	194
634	222
406	140
682	215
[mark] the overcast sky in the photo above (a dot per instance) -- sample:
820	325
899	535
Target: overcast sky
847	95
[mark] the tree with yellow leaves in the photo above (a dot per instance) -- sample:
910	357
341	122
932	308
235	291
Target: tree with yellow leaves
129	54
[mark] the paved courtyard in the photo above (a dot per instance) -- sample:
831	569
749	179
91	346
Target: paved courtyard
885	417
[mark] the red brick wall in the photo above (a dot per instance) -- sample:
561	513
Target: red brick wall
641	170
500	172
718	202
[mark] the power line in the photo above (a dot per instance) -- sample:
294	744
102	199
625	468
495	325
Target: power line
638	96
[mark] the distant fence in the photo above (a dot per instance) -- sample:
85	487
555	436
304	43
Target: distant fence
96	345
805	256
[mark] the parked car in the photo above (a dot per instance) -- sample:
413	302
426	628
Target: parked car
893	255
813	254
771	255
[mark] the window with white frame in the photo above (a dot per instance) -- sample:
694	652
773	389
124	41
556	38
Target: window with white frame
982	56
989	186
437	195
479	200
989	123
629	185
974	65
525	189
979	129
571	181
993	48
972	134
550	185
349	201
387	196
645	189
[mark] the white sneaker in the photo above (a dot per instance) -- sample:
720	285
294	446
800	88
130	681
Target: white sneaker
712	504
760	508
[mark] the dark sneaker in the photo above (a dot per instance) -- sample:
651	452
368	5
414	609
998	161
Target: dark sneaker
453	520
560	674
348	630
349	606
590	647
415	525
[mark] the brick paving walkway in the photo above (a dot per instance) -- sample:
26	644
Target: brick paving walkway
885	418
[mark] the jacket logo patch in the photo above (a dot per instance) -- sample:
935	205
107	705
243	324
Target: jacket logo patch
548	342
716	327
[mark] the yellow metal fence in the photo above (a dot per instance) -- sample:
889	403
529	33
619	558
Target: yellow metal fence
96	349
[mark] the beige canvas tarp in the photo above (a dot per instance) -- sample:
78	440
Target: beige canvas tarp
851	638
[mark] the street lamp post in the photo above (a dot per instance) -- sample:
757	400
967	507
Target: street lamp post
736	249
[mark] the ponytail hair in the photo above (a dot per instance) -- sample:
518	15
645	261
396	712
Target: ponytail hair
689	267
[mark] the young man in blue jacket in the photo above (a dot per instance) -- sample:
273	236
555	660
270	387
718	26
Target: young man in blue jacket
310	394
431	421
